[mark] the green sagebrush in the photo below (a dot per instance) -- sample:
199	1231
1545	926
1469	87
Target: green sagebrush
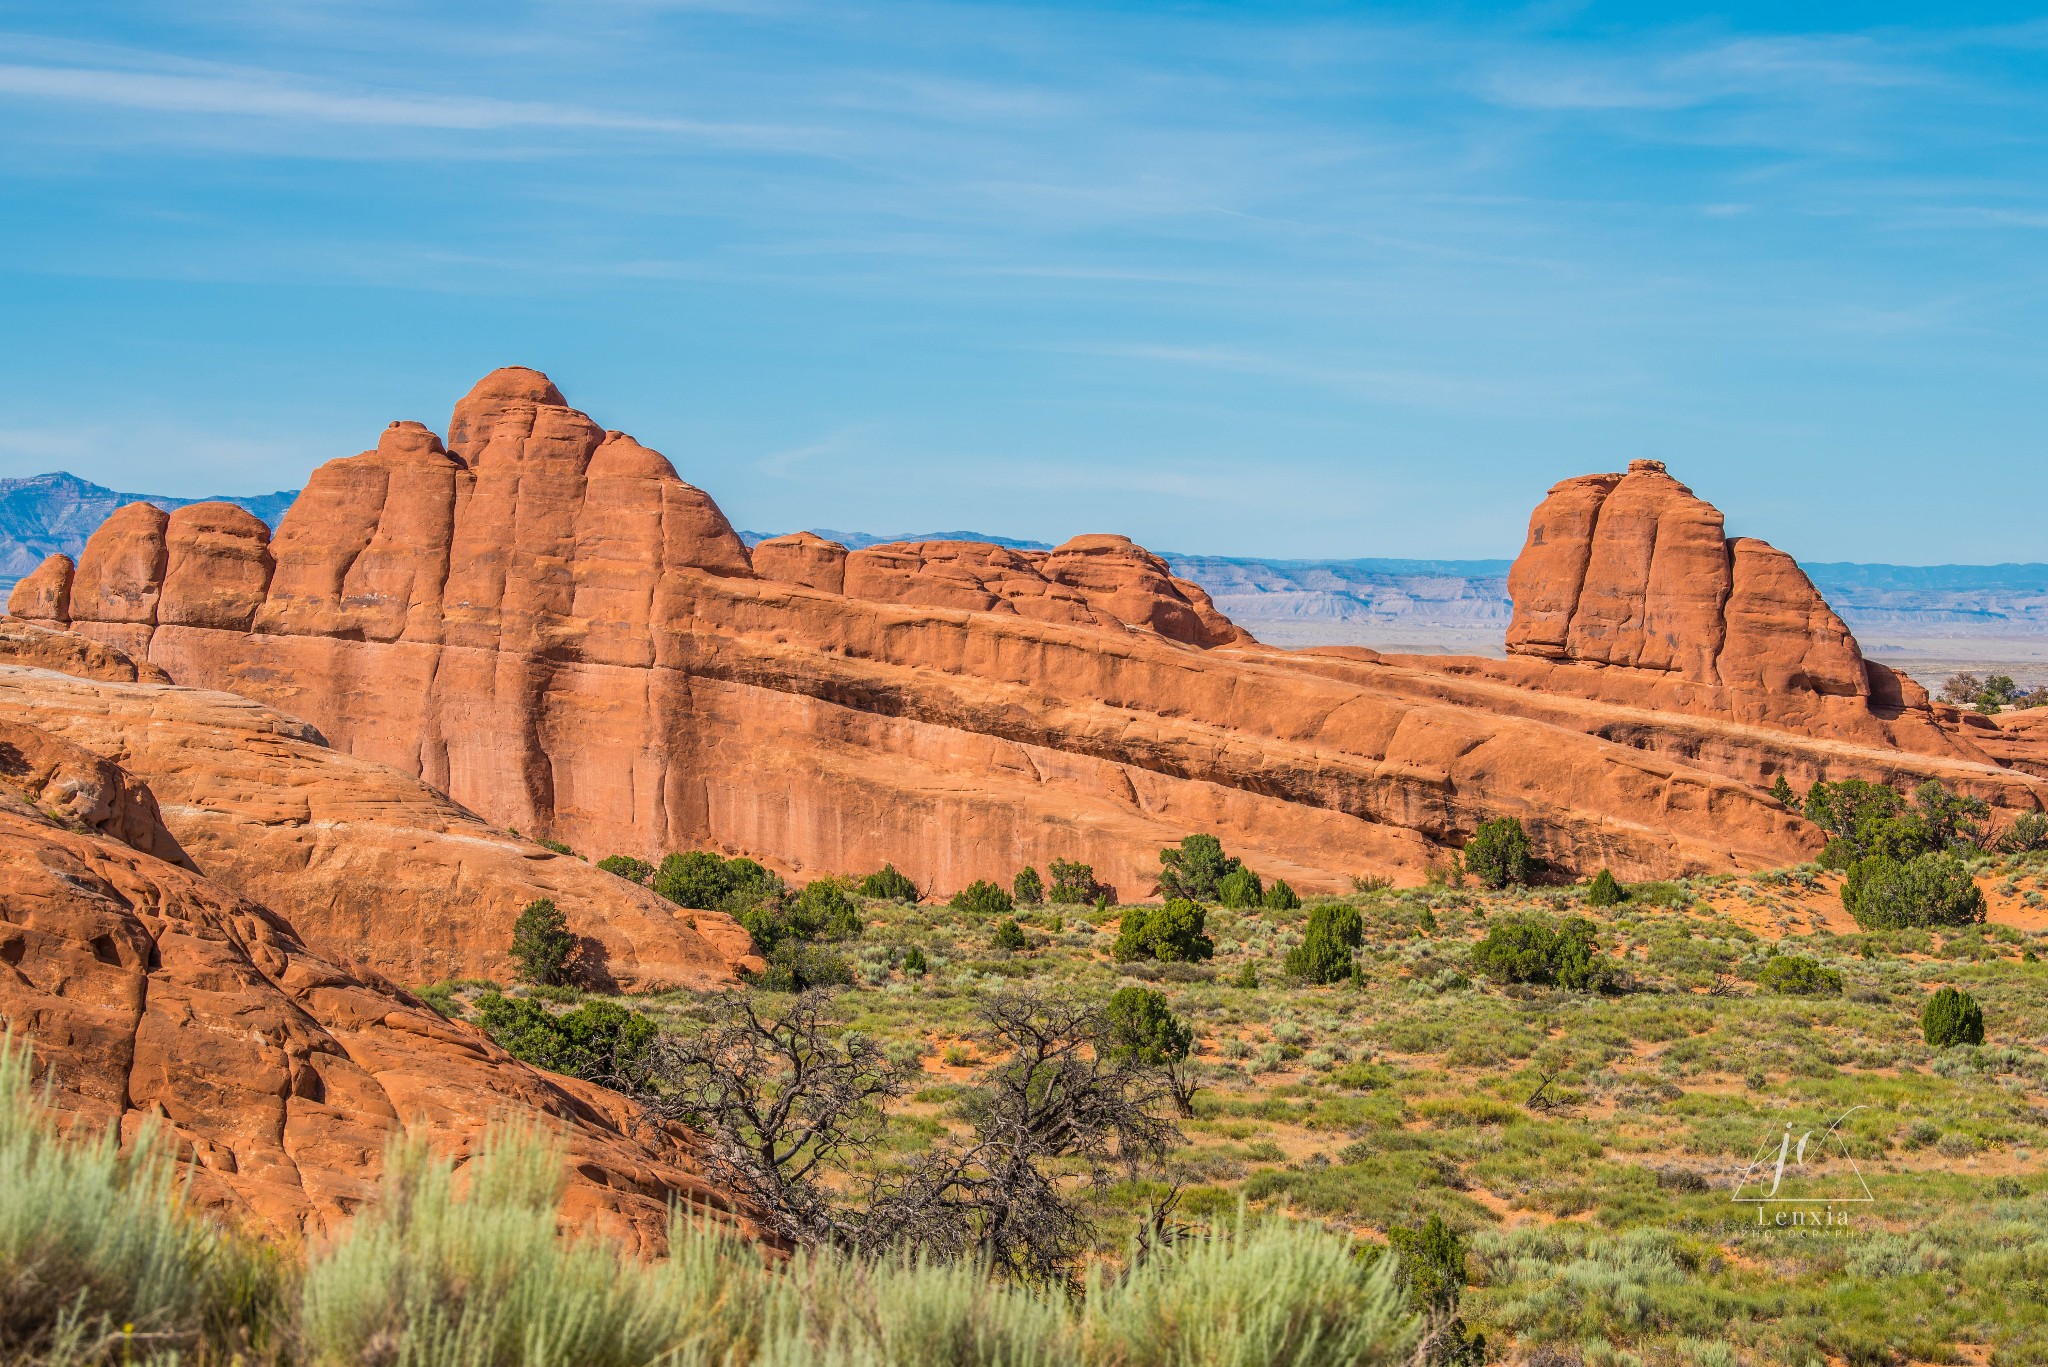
101	1257
105	1262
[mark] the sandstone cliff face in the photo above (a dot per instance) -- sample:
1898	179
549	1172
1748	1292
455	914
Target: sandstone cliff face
1636	571
152	991
543	620
371	866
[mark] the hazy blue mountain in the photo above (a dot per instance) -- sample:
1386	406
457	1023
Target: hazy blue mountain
44	514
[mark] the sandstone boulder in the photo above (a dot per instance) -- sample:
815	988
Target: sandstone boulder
41	647
149	991
216	567
1118	577
120	577
44	595
803	558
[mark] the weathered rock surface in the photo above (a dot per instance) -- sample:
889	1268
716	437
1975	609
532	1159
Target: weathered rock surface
46	647
1637	571
151	991
543	620
802	558
373	867
44	596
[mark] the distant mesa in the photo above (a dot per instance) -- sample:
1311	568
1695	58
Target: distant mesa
544	620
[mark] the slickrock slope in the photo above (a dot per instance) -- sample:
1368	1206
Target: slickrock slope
150	990
371	866
543	620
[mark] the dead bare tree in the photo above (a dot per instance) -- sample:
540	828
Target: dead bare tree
784	1103
782	1100
1057	1103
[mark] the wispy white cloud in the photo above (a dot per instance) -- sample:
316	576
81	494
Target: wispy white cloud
1377	384
277	95
786	463
1672	76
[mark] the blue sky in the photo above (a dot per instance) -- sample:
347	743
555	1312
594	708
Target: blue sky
1309	280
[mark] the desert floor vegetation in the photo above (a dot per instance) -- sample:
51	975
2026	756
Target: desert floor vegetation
1582	1137
105	1261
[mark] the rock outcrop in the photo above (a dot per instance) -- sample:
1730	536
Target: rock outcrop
802	558
375	869
543	620
152	992
52	647
1636	571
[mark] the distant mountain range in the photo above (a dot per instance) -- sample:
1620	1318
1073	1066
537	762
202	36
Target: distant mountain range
45	514
1928	618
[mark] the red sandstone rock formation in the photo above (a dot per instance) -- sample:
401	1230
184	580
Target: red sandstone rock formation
151	991
371	866
803	558
1635	570
543	620
44	596
42	647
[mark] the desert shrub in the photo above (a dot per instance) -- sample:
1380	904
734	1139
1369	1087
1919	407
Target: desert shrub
707	882
1027	890
1008	935
1606	891
887	885
1073	883
554	846
823	911
1272	1292
1195	870
1324	954
1498	854
1429	1268
982	898
1782	792
1869	820
914	963
627	867
1930	890
695	878
1535	949
1240	889
422	1277
2028	832
600	1041
1143	1029
1280	897
1837	807
797	966
96	1236
441	996
1795	975
1951	1017
1140	1028
542	943
1950	820
1173	933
